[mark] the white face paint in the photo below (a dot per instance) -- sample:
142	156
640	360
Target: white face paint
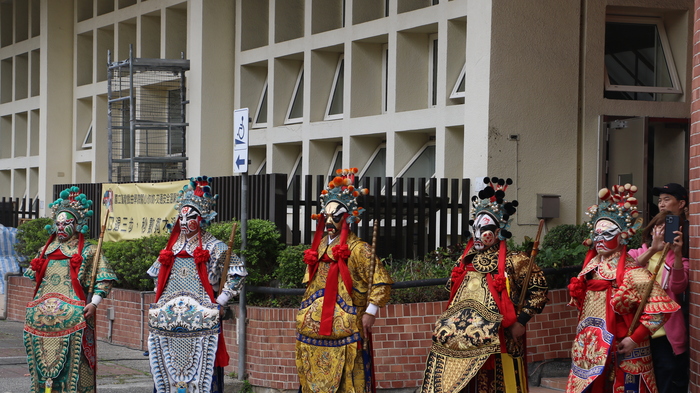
606	237
189	220
334	212
485	231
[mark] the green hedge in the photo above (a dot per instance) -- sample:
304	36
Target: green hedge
31	236
270	263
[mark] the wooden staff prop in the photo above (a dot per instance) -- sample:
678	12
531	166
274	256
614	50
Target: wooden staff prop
96	259
367	343
227	261
647	292
531	264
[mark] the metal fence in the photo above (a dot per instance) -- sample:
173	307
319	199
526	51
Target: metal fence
13	211
415	215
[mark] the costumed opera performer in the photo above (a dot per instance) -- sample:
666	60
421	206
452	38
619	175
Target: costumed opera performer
185	344
342	297
478	342
611	350
59	327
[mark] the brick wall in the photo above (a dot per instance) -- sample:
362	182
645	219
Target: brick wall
694	167
401	336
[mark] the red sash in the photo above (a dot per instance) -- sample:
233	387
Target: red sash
338	267
201	257
39	266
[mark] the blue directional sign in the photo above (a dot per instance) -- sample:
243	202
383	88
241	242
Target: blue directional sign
240	140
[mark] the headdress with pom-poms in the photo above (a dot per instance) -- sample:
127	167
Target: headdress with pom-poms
491	201
342	190
72	201
617	204
198	195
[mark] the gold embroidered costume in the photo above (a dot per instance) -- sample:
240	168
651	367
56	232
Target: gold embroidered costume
346	284
468	339
334	363
478	341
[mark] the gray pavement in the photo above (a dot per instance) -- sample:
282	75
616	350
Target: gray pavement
119	369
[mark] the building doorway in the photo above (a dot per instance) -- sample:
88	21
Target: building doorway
647	152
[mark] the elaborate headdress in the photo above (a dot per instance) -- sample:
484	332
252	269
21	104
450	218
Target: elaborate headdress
618	205
490	200
342	190
72	201
198	195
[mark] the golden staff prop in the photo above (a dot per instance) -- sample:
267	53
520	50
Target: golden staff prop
96	259
648	289
531	264
367	343
227	261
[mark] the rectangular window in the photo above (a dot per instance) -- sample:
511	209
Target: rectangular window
432	70
638	59
385	76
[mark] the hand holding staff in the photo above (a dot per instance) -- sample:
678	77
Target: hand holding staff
227	260
96	259
531	264
647	292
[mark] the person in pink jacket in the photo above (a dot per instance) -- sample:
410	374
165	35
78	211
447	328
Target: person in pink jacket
669	345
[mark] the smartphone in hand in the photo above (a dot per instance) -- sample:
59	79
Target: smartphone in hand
672	225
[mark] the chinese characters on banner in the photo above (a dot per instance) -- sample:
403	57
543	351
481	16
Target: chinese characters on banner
139	209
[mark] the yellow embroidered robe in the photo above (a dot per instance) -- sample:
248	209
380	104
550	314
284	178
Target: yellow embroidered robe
334	363
469	332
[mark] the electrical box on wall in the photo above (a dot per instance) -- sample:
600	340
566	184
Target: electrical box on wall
548	205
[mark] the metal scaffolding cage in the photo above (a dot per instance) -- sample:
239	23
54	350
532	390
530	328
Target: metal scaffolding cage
146	119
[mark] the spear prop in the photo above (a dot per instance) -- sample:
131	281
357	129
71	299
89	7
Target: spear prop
367	344
96	258
648	289
227	260
531	264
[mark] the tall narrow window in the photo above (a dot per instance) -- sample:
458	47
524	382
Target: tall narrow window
295	112
263	167
421	165
385	77
87	142
336	162
296	170
334	109
433	70
376	165
638	60
458	89
261	113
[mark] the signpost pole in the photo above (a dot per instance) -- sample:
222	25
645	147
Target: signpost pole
240	165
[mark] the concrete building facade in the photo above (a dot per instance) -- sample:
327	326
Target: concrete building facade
553	94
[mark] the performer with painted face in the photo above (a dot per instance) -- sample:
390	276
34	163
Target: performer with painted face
185	345
59	327
339	306
478	342
608	292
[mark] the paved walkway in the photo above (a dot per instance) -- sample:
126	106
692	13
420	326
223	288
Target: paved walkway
120	369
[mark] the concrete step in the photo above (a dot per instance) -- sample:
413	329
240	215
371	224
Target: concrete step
554	383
